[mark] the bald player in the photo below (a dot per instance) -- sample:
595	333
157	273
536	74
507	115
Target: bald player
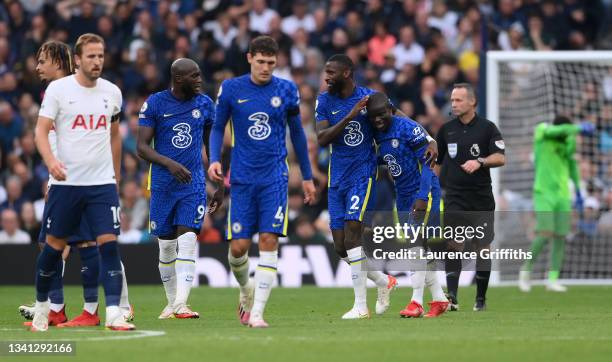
177	120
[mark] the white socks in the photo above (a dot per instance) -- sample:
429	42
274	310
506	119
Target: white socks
56	307
419	270
264	279
167	259
240	268
91	308
185	267
379	278
356	259
431	280
124	302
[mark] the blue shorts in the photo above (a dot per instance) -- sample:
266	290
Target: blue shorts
84	233
404	204
350	202
68	206
169	210
257	208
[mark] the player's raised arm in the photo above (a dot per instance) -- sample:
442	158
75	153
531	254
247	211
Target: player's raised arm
326	133
222	114
146	131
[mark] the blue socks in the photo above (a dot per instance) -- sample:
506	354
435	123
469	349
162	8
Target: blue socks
56	288
48	267
90	271
111	272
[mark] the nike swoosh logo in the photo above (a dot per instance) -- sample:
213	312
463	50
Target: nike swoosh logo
242	101
168	115
351	212
276	225
116	226
335	112
71	102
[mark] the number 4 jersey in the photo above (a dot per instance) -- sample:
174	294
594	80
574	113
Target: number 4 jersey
179	134
258	123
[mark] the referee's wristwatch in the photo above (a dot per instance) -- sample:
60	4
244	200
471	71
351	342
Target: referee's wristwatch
481	161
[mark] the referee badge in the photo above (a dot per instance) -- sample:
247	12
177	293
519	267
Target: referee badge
475	150
276	102
394	143
196	113
452	150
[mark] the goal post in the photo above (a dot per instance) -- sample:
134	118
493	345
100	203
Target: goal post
524	88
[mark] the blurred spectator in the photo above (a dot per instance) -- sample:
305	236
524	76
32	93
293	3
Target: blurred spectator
407	51
380	44
14	198
31	185
29	222
260	17
11	234
11	127
222	30
443	19
134	205
129	234
300	19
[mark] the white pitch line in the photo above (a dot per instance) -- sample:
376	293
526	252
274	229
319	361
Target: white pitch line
118	336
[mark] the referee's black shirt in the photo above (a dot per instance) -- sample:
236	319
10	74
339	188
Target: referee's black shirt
458	143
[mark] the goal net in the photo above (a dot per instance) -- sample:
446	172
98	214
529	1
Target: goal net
524	89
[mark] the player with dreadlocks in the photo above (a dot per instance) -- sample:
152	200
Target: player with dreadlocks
54	62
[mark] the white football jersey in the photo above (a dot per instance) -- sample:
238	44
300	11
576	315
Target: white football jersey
82	118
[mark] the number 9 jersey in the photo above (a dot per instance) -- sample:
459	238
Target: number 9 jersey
179	135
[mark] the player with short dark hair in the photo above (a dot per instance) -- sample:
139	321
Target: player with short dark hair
342	125
177	120
469	146
84	109
401	145
260	107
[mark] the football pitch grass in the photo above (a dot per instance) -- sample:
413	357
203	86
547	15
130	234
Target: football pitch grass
305	325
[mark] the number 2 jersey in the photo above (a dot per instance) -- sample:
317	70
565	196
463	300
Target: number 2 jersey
259	116
352	153
179	134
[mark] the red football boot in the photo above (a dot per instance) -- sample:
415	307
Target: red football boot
436	309
55	318
412	310
85	319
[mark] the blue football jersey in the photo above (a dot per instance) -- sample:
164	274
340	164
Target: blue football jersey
352	153
402	148
258	119
179	133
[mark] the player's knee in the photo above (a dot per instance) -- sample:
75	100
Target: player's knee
106	238
56	243
239	247
268	242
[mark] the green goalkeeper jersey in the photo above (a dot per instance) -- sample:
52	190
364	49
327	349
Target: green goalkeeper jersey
554	147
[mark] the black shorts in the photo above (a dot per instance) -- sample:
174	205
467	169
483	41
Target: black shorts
474	209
